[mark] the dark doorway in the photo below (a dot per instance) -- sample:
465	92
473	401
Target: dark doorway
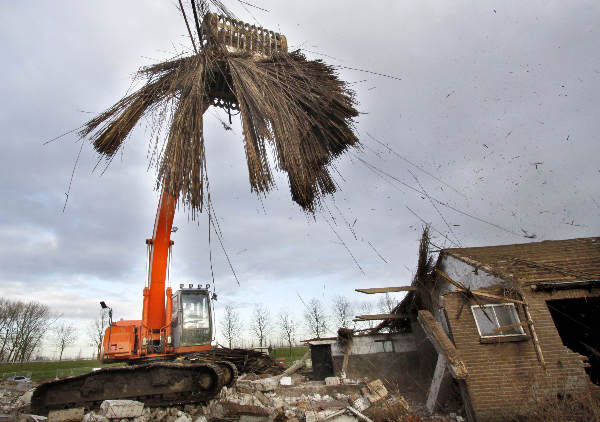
322	362
575	320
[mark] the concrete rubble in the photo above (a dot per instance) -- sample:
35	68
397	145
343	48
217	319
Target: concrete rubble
272	399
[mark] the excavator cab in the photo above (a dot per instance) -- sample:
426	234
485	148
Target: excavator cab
191	320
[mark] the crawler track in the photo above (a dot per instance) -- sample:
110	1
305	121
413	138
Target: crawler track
155	384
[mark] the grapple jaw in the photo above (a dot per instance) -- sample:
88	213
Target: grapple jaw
241	37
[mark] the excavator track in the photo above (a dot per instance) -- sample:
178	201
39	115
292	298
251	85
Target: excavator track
154	384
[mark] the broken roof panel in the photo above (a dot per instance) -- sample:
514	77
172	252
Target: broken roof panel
550	261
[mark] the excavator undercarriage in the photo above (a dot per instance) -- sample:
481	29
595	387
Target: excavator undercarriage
154	384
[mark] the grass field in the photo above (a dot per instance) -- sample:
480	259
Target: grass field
43	371
297	353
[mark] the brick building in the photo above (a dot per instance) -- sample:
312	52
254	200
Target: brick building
508	325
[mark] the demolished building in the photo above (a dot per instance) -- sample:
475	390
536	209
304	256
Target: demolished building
519	319
496	328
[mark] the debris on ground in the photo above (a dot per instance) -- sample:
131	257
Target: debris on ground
254	398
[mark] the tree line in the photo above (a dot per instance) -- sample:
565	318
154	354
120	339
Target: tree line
318	320
25	325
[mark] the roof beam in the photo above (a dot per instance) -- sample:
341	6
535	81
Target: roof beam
442	343
387	289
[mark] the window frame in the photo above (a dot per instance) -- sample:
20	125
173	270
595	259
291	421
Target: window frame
499	336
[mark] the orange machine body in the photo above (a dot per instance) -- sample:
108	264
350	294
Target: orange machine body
157	335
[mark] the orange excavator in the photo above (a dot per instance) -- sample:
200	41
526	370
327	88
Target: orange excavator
171	324
164	348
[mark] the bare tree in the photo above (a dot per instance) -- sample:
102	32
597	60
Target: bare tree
22	327
287	328
261	322
315	318
65	337
231	325
387	303
8	315
342	311
365	309
96	331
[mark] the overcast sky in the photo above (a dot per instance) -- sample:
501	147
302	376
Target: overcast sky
495	113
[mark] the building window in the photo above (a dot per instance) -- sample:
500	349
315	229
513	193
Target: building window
498	321
384	346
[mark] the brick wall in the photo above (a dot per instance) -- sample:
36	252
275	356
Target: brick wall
503	377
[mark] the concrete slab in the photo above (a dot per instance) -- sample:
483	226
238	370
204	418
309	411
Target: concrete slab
94	417
361	404
285	381
375	391
25	399
266	384
119	409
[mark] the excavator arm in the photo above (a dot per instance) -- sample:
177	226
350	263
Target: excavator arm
154	315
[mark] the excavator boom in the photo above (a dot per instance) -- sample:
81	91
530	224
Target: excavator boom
154	308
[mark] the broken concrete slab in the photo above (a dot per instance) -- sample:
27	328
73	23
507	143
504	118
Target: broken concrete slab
285	381
332	381
361	403
265	384
119	409
66	415
375	391
94	417
25	399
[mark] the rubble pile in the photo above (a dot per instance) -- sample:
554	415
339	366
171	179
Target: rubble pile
14	395
254	398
